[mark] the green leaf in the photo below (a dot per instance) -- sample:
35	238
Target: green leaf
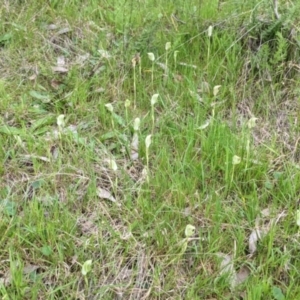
277	293
8	207
277	175
9	130
108	135
37	184
5	38
38	124
40	96
118	119
268	185
46	250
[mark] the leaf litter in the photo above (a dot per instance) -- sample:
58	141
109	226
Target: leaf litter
263	224
104	194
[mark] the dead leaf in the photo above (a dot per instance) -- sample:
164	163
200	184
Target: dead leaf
88	224
188	65
265	212
32	77
29	156
60	62
242	275
178	78
51	27
187	212
253	239
104	53
227	267
204	87
163	66
256	235
260	230
196	96
104	194
64	30
55	84
100	90
6	279
54	150
30	268
60	69
134	154
72	128
217	103
203	126
82	58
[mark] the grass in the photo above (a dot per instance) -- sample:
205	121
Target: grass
80	218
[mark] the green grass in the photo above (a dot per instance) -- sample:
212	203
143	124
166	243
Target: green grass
72	58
